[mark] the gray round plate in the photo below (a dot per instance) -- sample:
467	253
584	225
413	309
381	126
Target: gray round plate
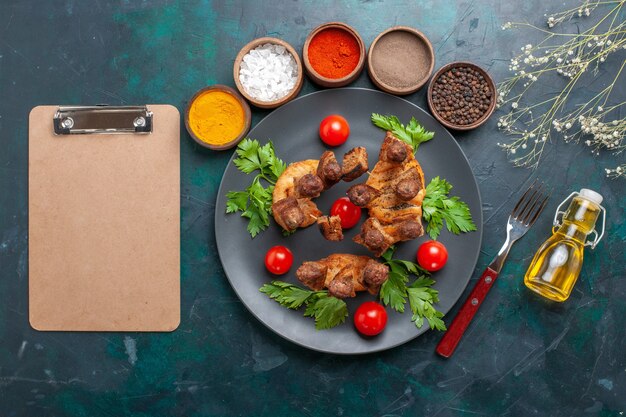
294	130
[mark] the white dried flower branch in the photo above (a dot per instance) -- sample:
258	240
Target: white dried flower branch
616	172
584	9
570	55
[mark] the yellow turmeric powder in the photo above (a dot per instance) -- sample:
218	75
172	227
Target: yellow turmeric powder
216	117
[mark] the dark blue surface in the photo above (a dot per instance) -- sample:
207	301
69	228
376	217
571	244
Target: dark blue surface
520	357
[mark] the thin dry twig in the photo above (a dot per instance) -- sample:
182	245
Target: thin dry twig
569	55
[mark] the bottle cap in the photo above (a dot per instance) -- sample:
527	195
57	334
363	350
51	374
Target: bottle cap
591	195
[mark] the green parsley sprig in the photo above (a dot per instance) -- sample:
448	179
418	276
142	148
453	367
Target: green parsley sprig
328	311
255	202
396	290
438	206
413	133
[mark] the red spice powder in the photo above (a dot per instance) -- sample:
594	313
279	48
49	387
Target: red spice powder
334	53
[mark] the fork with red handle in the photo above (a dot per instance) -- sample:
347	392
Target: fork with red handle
522	217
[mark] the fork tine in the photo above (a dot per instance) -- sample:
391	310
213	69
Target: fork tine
528	201
532	201
534	217
515	212
527	214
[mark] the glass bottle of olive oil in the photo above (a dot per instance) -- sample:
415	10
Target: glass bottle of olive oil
556	265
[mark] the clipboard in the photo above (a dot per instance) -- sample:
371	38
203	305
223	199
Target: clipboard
104	218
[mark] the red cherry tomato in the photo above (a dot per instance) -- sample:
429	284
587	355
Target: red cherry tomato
370	318
432	255
334	130
278	260
348	212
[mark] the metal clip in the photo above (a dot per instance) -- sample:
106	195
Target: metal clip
598	238
557	222
70	120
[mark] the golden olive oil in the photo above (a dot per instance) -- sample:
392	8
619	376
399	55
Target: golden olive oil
556	265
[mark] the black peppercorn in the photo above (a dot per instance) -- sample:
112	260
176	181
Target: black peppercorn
462	95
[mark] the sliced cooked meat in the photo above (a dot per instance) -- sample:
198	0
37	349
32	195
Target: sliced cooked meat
313	275
344	274
309	185
304	180
407	189
342	285
329	170
409	229
394	150
378	237
354	164
361	194
330	227
310	211
287	213
286	183
374	237
395	214
375	273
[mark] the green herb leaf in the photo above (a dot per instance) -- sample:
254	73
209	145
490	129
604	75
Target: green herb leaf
421	300
237	201
423	282
413	133
276	165
258	208
287	294
414	268
395	291
255	202
275	289
437	207
436	323
248	156
328	311
385	122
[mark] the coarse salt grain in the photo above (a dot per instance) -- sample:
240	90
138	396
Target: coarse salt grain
268	72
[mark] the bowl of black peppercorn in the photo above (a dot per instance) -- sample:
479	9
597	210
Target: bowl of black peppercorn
461	95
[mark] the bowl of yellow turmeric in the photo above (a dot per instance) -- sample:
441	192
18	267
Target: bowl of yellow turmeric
217	117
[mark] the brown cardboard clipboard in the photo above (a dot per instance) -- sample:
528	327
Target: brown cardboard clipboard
104	225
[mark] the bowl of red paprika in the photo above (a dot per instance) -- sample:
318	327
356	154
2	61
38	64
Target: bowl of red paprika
333	54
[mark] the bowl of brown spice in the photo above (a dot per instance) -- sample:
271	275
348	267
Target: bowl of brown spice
333	54
400	60
461	96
